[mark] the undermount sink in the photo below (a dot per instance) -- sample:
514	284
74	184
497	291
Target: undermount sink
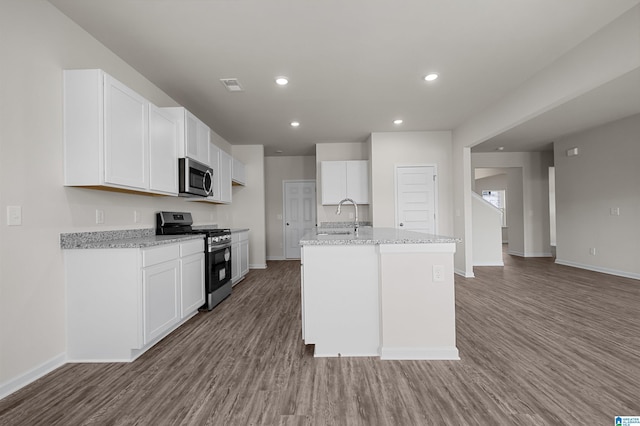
334	232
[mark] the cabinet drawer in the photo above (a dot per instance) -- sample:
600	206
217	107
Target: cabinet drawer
192	247
153	256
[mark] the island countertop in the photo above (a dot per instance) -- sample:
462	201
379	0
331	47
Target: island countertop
371	236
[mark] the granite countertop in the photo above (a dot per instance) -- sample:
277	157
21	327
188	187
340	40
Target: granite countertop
234	230
371	236
130	238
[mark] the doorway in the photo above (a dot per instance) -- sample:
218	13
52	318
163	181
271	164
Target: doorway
416	198
299	214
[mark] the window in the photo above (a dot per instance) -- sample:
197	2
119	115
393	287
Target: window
498	199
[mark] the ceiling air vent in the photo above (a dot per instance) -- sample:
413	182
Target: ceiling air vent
232	84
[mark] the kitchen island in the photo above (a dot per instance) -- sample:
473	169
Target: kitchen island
379	292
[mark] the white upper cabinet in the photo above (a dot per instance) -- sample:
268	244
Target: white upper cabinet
345	179
214	163
115	138
226	164
105	132
194	135
163	151
125	132
238	172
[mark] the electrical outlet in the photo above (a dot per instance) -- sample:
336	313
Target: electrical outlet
592	251
99	216
614	211
438	273
14	215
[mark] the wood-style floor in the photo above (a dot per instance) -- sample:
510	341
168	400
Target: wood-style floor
540	344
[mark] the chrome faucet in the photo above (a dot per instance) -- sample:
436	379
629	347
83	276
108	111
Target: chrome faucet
355	223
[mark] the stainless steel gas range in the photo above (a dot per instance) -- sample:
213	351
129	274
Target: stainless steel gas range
217	252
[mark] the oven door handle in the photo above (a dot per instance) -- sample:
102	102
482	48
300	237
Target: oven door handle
219	247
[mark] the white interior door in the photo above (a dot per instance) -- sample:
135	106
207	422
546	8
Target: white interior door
416	201
299	214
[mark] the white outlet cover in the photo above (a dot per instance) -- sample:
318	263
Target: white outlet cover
14	215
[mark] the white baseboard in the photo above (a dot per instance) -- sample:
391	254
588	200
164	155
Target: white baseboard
521	254
615	272
275	258
500	263
32	375
257	266
437	353
541	254
462	273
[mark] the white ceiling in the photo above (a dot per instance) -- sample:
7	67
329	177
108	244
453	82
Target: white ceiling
354	65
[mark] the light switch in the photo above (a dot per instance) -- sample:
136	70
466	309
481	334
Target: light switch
14	215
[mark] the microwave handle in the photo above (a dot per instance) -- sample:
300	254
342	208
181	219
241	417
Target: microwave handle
209	190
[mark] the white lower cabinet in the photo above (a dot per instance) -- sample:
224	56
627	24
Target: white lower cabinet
239	255
161	290
192	283
121	301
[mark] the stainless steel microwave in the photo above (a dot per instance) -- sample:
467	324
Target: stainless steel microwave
195	178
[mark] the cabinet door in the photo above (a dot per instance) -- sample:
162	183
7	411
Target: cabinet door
235	262
214	162
163	151
197	134
334	177
192	284
244	258
161	296
358	181
202	135
238	173
225	177
126	141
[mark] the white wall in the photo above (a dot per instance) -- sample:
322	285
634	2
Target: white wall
247	209
410	148
37	43
534	183
487	233
335	152
606	55
494	182
603	176
512	182
277	170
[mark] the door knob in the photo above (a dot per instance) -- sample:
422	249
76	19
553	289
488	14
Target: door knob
401	224
287	223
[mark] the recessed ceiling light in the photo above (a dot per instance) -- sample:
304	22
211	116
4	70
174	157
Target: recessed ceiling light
500	148
279	151
282	81
430	77
295	124
398	121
